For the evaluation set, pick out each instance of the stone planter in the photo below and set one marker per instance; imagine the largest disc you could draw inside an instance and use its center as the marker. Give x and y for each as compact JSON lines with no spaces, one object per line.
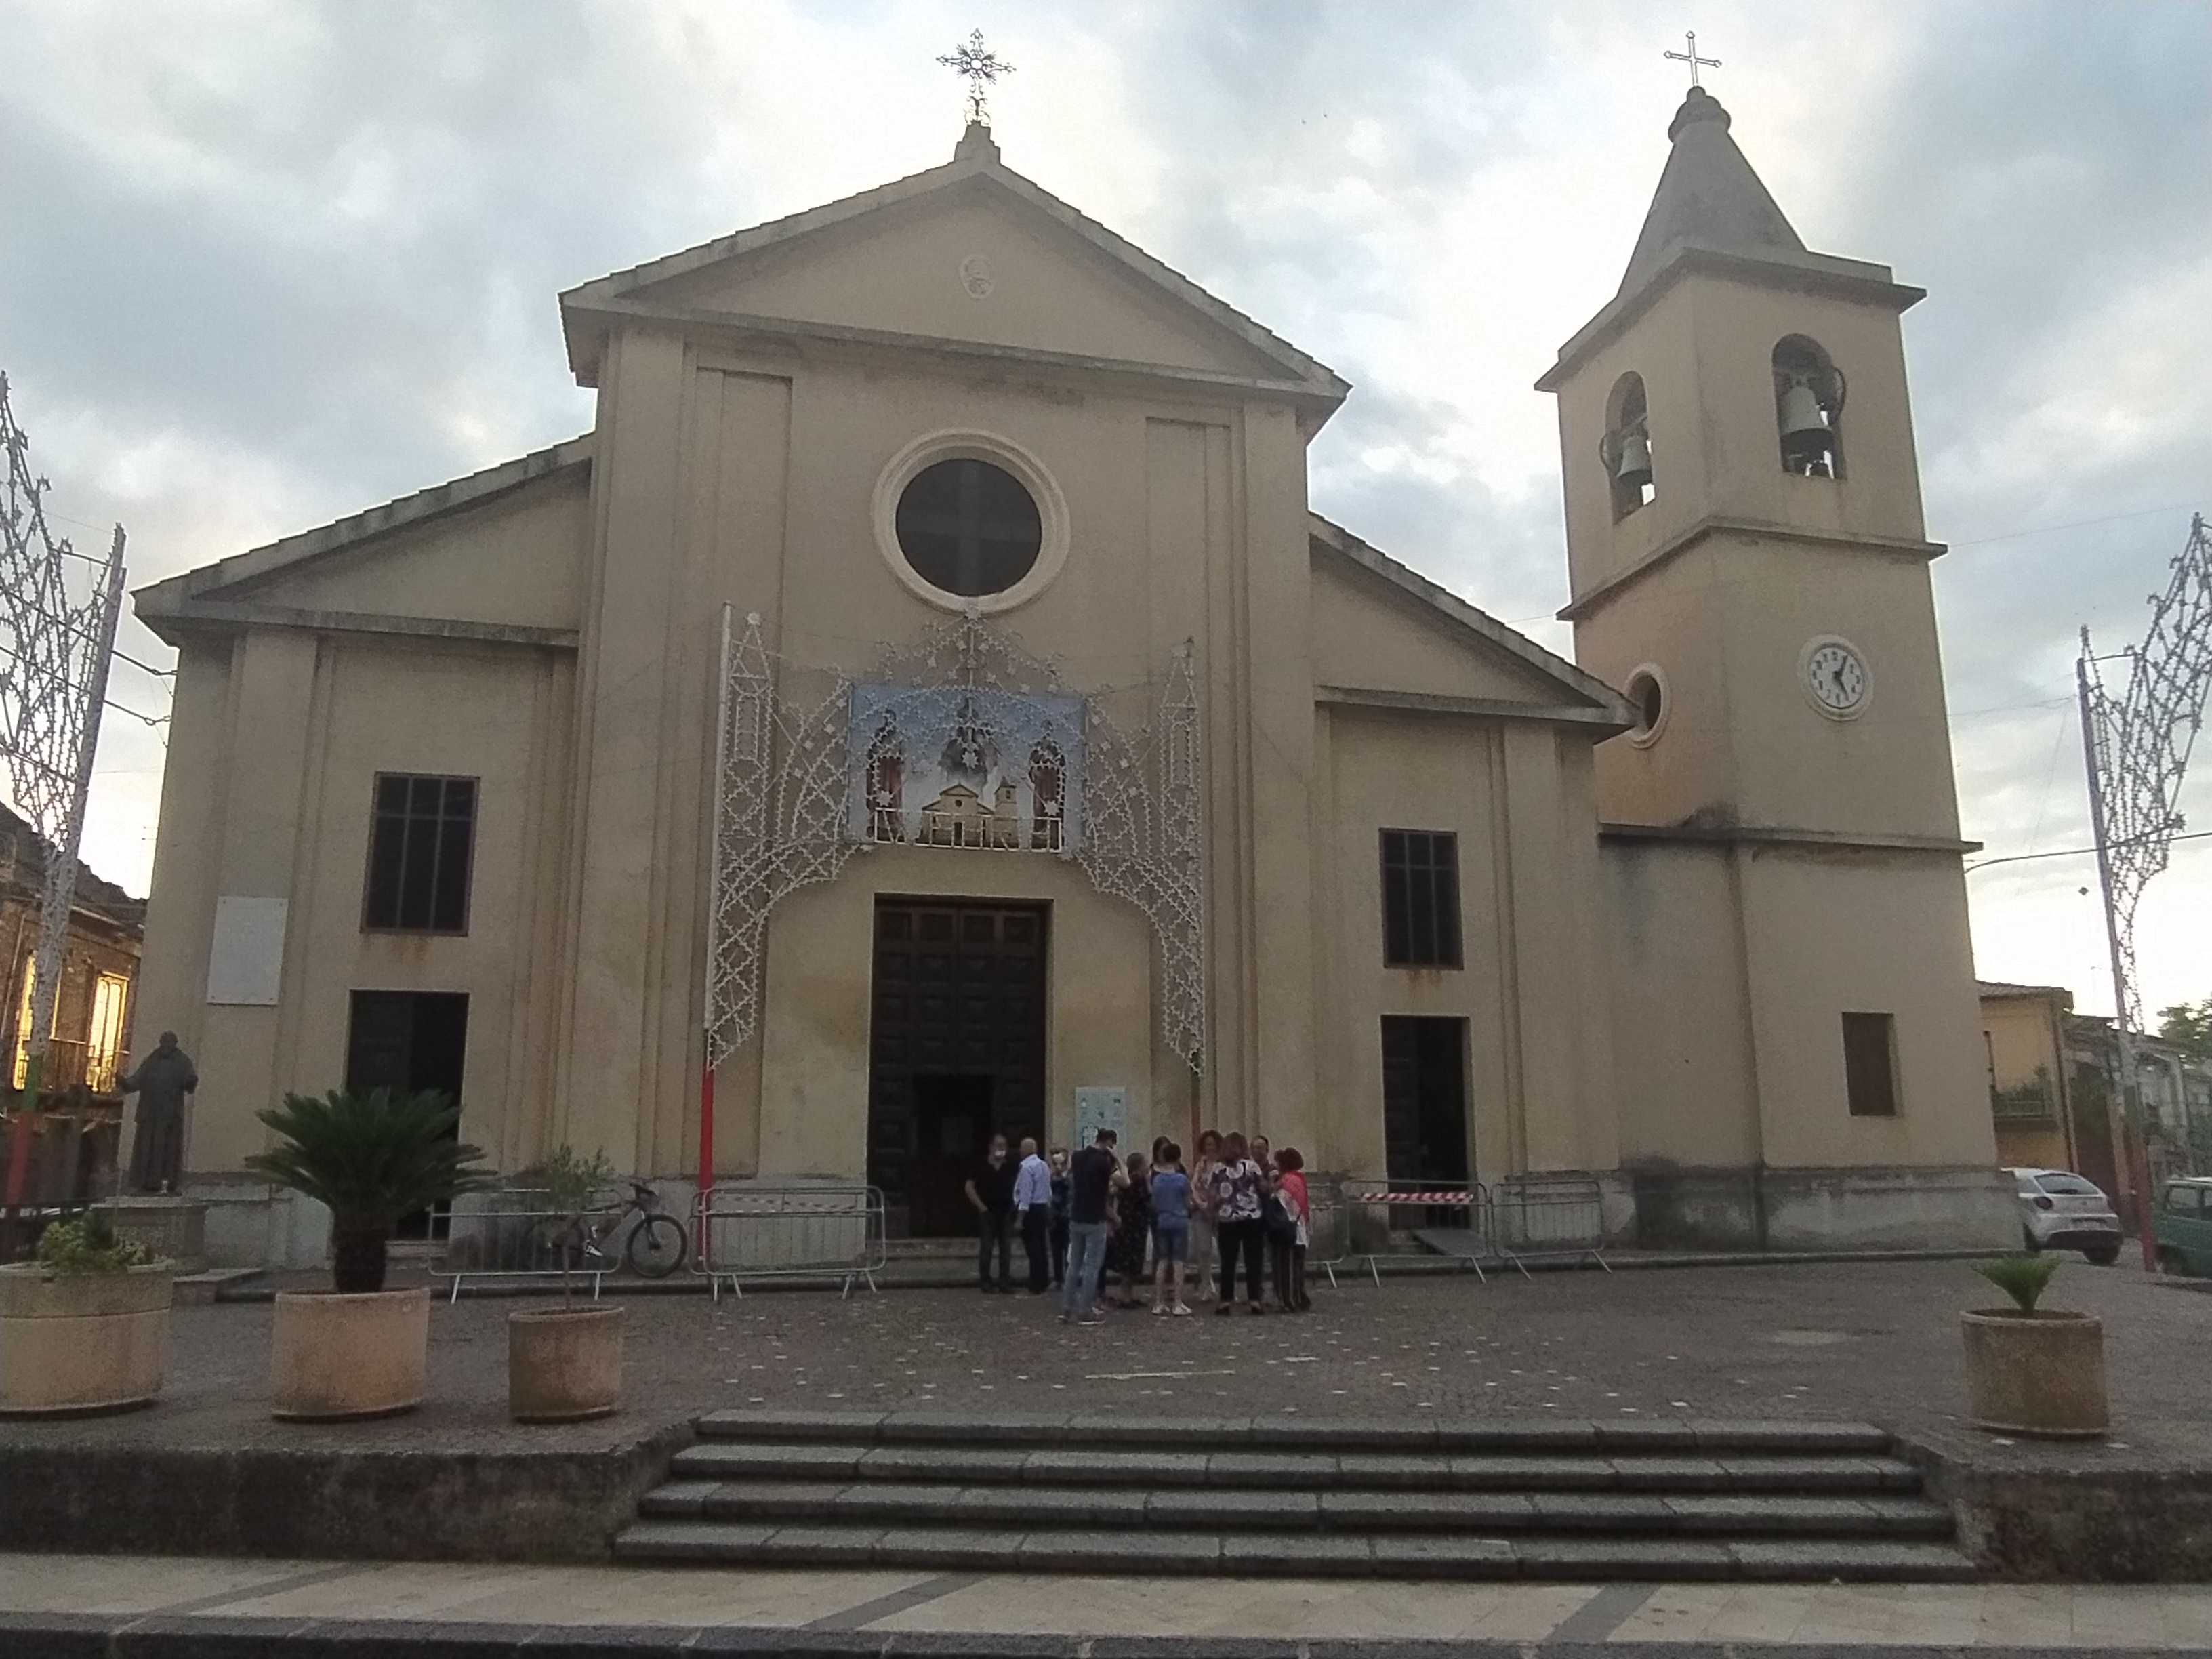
{"x":334,"y":1356}
{"x":82,"y":1342}
{"x":2040,"y":1374}
{"x":563,"y":1364}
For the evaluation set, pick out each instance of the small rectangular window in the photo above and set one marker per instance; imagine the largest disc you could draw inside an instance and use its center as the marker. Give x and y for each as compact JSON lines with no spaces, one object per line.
{"x":421,"y":846}
{"x":1420,"y":899}
{"x":1870,"y":1064}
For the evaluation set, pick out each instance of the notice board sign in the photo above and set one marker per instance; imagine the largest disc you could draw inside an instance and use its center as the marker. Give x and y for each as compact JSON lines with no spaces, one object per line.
{"x":1098,"y":1109}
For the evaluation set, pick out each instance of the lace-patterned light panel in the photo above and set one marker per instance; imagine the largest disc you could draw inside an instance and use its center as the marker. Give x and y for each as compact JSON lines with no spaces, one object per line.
{"x":963,"y":741}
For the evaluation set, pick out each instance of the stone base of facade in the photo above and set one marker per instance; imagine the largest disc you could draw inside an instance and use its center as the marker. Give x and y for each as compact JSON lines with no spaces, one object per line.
{"x":1822,"y":1209}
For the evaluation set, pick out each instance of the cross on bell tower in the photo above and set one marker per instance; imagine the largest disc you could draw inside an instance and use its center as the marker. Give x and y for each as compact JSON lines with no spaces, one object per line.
{"x":981,"y":67}
{"x":1690,"y":56}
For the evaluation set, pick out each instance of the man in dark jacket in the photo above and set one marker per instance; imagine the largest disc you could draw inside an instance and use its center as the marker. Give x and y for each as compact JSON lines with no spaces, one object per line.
{"x":991,"y":1190}
{"x":161,"y":1081}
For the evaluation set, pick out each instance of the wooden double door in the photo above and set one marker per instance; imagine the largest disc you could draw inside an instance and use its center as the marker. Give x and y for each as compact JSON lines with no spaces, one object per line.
{"x":956,"y":1050}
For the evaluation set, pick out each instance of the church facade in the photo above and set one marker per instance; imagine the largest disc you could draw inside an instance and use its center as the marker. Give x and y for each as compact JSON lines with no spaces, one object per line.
{"x":925,"y":704}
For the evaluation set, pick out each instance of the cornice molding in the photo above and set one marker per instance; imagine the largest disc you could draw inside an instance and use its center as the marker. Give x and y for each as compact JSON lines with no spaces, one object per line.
{"x":1746,"y":835}
{"x":1713,"y":525}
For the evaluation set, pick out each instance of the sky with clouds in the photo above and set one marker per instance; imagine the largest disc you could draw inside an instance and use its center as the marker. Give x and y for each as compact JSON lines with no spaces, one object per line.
{"x":264,"y":263}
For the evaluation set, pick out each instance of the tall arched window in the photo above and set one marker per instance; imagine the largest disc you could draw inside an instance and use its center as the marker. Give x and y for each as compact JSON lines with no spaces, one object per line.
{"x":1625,"y":449}
{"x":1809,"y":408}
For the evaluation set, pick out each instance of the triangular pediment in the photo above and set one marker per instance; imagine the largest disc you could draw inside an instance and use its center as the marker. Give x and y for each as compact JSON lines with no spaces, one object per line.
{"x":498,"y":555}
{"x":1385,"y":636}
{"x":969,"y":254}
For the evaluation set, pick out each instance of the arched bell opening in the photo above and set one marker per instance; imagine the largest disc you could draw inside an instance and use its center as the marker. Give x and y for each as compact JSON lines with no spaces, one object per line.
{"x":1625,"y":449}
{"x":1809,"y":408}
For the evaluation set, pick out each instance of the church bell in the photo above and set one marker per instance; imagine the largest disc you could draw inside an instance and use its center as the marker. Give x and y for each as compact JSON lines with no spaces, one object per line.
{"x":1634,"y":470}
{"x":1808,"y":433}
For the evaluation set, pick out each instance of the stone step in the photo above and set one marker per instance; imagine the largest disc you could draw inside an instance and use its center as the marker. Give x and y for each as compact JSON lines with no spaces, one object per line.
{"x":1287,"y":1432}
{"x":908,"y":1504}
{"x":946,"y":1463}
{"x":1245,"y":1554}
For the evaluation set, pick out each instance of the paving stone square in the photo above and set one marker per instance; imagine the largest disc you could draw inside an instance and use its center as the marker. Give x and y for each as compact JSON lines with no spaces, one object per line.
{"x":1650,"y":1349}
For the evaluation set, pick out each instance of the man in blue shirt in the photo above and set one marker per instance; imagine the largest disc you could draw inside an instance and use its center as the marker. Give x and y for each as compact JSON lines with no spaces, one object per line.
{"x":1033,"y":1208}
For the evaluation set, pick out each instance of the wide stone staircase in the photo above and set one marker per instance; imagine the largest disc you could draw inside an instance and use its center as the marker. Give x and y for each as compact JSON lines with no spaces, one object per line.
{"x":1455,"y":1499}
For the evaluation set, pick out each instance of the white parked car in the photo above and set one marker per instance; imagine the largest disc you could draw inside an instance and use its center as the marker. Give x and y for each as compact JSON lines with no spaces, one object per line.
{"x":2061,"y":1211}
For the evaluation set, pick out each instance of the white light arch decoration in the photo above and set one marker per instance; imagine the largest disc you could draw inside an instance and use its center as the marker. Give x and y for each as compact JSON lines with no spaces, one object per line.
{"x":786,"y":814}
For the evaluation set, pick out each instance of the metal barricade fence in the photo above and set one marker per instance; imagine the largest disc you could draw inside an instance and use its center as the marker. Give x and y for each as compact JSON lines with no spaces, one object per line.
{"x":745,"y":1232}
{"x":1538,"y":1217}
{"x":1467,"y":1201}
{"x":1328,"y":1229}
{"x":513,"y":1233}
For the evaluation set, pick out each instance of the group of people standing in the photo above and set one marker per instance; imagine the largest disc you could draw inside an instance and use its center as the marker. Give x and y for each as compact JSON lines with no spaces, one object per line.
{"x":1089,"y":1218}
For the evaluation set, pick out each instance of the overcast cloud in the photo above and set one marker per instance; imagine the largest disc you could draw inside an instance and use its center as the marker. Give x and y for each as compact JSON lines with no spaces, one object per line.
{"x":264,"y":263}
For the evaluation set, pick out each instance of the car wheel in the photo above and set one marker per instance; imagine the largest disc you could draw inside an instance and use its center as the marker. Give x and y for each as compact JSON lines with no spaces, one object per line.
{"x":2104,"y":1255}
{"x":2034,"y":1245}
{"x":2170,"y":1261}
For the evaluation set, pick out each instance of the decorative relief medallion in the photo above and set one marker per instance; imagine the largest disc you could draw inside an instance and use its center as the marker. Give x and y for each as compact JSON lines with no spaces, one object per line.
{"x":975,"y":276}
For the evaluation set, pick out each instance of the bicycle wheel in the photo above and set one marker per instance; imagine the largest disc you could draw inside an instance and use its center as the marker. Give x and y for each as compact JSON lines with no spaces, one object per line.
{"x":656,"y":1247}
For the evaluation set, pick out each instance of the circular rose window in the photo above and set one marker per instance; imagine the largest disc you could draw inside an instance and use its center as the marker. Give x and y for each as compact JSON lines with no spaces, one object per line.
{"x":968,"y":527}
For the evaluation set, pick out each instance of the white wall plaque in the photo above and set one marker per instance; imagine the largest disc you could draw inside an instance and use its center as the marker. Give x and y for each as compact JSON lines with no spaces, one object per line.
{"x":246,"y":963}
{"x":1101,"y":1108}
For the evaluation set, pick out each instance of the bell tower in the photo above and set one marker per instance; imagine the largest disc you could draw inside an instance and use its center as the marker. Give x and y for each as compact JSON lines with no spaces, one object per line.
{"x":1748,"y":563}
{"x":1746,"y":549}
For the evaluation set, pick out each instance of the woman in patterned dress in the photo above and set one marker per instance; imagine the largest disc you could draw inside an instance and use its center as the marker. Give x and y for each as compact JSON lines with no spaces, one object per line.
{"x":1133,"y":1231}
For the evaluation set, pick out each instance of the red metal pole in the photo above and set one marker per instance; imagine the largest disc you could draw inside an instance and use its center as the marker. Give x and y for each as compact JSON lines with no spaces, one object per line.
{"x":706,"y":1146}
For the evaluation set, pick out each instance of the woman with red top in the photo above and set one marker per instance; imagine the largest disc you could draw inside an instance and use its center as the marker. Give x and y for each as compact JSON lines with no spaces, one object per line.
{"x":1290,"y":1264}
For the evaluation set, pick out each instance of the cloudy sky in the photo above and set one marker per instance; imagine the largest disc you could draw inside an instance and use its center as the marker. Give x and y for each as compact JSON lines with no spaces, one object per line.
{"x":264,"y":263}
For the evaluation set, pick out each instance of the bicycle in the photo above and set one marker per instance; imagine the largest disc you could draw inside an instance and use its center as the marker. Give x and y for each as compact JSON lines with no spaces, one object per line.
{"x":656,"y":1246}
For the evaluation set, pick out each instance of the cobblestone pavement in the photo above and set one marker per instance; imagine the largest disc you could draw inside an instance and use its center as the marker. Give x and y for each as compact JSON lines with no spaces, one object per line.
{"x":631,"y":1605}
{"x":1874,"y":1342}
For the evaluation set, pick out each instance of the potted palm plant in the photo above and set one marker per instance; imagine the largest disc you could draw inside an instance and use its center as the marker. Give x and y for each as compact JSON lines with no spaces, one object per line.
{"x":566,"y":1363}
{"x":85,"y":1326}
{"x":2031,"y":1371}
{"x":358,"y":1350}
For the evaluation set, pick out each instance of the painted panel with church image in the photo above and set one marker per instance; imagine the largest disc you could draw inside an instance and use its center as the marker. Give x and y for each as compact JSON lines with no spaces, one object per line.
{"x":966,"y":766}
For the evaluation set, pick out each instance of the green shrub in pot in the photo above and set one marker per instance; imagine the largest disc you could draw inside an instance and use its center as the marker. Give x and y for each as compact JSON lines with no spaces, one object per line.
{"x":371,"y":1156}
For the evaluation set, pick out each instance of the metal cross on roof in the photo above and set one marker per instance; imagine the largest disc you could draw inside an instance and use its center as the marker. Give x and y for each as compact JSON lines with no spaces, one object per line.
{"x":1690,"y":56}
{"x":981,"y":67}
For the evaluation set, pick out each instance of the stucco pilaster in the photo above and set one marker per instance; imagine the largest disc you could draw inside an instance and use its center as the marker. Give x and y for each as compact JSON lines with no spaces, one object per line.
{"x":171,"y":989}
{"x":1551,"y":990}
{"x":620,"y":740}
{"x":272,"y":697}
{"x":1273,"y":641}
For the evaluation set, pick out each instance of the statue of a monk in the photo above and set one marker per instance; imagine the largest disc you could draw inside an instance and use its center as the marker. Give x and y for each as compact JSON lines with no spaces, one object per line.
{"x":161,"y":1081}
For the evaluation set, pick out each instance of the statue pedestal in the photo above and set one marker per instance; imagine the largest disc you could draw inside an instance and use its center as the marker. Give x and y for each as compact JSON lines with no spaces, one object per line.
{"x":173,"y":1228}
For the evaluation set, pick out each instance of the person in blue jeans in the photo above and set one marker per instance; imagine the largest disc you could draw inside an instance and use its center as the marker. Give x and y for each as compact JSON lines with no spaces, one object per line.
{"x":1171,"y":1228}
{"x":1093,"y":1177}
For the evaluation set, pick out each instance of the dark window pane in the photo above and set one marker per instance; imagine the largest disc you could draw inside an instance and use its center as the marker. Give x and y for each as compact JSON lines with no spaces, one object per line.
{"x":1420,"y":899}
{"x":1871,"y":1065}
{"x":968,"y":527}
{"x":421,"y":846}
{"x":452,"y":913}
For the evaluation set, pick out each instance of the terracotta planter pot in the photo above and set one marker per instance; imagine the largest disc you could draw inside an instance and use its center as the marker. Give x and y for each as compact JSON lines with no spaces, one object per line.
{"x":335,"y":1356}
{"x":2039,"y":1375}
{"x":82,"y":1342}
{"x":563,"y":1364}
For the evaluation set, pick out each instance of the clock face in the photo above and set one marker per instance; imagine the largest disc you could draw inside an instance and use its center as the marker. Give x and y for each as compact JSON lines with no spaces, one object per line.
{"x":1836,"y":676}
